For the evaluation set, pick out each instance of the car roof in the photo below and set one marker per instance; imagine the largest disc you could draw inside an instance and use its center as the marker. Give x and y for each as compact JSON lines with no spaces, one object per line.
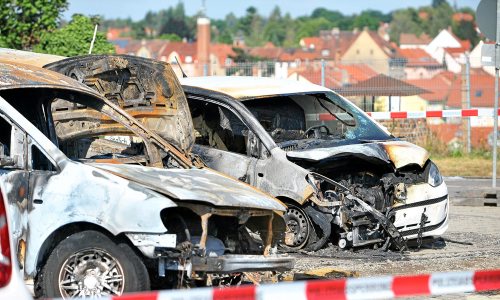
{"x":28,"y":58}
{"x":15,"y":75}
{"x":245,"y":88}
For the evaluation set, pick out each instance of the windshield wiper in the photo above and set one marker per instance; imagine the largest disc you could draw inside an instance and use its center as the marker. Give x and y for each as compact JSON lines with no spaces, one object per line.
{"x":330,"y":112}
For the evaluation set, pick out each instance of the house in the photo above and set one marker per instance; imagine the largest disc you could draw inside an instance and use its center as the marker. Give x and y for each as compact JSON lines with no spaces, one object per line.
{"x":115,"y":33}
{"x":337,"y":75}
{"x":369,"y":48}
{"x":311,"y":43}
{"x":197,"y":58}
{"x":482,"y":90}
{"x":475,"y":58}
{"x":439,"y":87}
{"x":412,"y":41}
{"x":419,"y":64}
{"x":449,"y":50}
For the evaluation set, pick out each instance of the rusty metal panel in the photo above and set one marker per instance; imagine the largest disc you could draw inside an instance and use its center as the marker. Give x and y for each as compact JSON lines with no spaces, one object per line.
{"x":148,"y":90}
{"x":28,"y":58}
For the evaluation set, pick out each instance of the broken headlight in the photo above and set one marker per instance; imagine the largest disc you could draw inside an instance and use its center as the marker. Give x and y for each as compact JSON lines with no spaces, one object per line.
{"x":434,"y":177}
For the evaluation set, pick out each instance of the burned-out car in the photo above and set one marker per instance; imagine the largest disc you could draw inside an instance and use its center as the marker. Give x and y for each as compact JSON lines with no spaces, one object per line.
{"x":116,"y":222}
{"x":342,"y":175}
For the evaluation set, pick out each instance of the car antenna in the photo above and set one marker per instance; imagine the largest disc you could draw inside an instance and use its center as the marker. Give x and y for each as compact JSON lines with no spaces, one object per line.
{"x":180,"y":67}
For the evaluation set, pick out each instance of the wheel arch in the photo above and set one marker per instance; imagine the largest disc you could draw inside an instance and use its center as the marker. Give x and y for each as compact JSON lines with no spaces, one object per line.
{"x":61,"y":233}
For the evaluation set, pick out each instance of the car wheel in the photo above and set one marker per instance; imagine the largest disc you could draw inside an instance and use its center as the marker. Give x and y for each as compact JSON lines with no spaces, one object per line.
{"x":89,"y":263}
{"x":298,"y":222}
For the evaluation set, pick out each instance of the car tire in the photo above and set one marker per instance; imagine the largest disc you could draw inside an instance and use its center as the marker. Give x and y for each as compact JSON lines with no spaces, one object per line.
{"x":299,"y":223}
{"x":93,"y":264}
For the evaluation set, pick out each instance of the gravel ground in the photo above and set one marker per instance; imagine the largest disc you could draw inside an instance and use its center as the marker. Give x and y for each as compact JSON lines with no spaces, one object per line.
{"x":472,"y":242}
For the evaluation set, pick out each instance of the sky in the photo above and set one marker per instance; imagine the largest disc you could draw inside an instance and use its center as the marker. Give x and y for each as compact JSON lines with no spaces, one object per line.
{"x":218,"y":9}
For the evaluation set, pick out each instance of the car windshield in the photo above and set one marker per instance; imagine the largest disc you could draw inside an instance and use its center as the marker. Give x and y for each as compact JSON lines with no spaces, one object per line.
{"x":323,"y":116}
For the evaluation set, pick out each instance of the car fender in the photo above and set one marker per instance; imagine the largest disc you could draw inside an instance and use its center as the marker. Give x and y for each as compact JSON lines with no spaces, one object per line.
{"x":81,"y":193}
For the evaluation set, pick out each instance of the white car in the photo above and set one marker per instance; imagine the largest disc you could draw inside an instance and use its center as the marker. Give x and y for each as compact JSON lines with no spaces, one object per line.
{"x":11,"y":283}
{"x":344,"y":177}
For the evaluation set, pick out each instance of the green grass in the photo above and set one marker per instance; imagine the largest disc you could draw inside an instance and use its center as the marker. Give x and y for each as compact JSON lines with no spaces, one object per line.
{"x":466,"y":165}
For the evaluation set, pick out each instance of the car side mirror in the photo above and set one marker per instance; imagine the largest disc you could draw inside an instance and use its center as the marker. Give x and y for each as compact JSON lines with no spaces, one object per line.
{"x":253,"y":145}
{"x":5,"y":160}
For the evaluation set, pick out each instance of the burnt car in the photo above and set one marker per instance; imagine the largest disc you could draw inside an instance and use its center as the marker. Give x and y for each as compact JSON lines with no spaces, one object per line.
{"x":343,"y":176}
{"x":121,"y":221}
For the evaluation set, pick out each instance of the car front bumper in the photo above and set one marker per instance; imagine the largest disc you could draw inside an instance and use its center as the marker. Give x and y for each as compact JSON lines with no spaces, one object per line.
{"x":426,"y":211}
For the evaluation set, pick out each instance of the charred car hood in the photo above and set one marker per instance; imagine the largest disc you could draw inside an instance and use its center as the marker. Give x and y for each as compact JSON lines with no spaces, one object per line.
{"x":399,"y":153}
{"x":200,"y":185}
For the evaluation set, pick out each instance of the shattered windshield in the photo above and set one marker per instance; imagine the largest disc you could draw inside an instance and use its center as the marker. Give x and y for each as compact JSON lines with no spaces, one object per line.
{"x":314,"y":117}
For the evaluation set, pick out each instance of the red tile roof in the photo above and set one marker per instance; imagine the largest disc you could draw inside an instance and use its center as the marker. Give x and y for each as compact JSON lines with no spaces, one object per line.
{"x":482,"y":90}
{"x":439,"y":86}
{"x":313,"y":42}
{"x":115,"y":33}
{"x":338,"y":75}
{"x":418,"y":57}
{"x":222,"y":51}
{"x":412,"y":39}
{"x":270,"y":53}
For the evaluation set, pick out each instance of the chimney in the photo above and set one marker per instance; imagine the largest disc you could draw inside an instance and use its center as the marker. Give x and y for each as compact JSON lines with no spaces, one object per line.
{"x":203,"y":46}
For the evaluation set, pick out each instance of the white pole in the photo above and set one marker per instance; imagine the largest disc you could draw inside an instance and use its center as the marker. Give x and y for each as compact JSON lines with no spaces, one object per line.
{"x":93,"y":39}
{"x":495,"y":113}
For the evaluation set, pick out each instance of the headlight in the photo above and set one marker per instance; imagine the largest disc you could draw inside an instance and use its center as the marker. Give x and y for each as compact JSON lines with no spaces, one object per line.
{"x":435,"y":177}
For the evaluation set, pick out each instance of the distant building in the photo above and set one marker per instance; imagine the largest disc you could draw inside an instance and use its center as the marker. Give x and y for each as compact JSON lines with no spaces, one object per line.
{"x":419,"y":64}
{"x":197,"y":58}
{"x":412,"y":41}
{"x":449,"y":50}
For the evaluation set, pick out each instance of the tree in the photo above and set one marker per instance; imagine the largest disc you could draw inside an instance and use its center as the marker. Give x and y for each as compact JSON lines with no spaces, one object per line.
{"x":440,"y":18}
{"x":172,"y":37}
{"x":312,"y":27}
{"x":370,"y":19}
{"x":274,"y":31}
{"x":22,"y":22}
{"x":405,"y":21}
{"x":74,"y":39}
{"x":437,"y":3}
{"x":466,"y":31}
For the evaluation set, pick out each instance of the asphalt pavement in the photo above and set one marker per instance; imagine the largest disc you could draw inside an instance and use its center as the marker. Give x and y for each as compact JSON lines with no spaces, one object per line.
{"x":473,"y":191}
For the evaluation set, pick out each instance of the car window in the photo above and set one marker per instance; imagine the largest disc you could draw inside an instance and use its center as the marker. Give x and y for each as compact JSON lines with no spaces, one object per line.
{"x":217,"y":127}
{"x":12,"y":150}
{"x":324,"y":117}
{"x":39,"y":160}
{"x":86,"y":133}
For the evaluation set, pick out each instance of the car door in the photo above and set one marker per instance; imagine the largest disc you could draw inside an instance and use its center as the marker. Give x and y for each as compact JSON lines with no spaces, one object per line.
{"x":14,"y":176}
{"x":222,"y":139}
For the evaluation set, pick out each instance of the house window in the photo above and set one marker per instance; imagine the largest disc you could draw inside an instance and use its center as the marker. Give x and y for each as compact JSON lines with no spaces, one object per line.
{"x":325,"y":52}
{"x":371,"y":51}
{"x":357,"y":51}
{"x":479,"y":93}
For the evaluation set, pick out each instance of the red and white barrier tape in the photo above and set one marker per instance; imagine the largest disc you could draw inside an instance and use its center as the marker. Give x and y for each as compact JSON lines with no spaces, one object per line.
{"x":387,"y":287}
{"x":450,"y":113}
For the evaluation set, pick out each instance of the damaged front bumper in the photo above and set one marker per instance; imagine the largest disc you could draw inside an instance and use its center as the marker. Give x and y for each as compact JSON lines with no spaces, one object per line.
{"x":425,"y":213}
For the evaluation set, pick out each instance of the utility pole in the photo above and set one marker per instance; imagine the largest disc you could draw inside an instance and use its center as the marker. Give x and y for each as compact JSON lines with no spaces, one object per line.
{"x":495,"y":113}
{"x":467,"y":101}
